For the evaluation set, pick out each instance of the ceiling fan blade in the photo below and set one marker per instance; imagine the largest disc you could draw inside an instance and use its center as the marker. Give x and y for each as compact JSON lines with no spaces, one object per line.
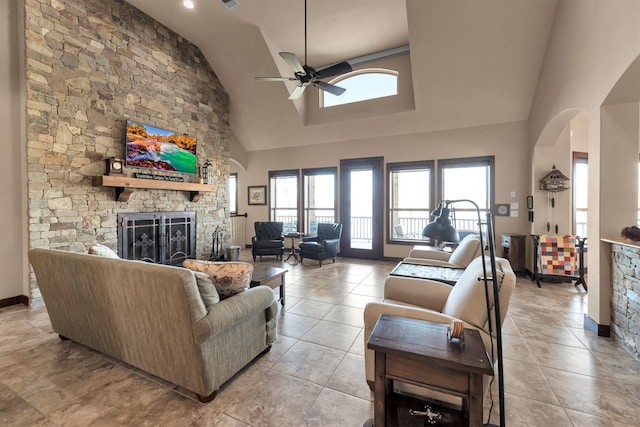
{"x":334,"y":70}
{"x":332,"y":89}
{"x":276,"y":79}
{"x":297,"y":92}
{"x":293,"y":62}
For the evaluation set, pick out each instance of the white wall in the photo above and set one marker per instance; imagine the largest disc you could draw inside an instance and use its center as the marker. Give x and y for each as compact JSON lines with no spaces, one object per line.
{"x":507,"y":142}
{"x":547,"y":156}
{"x":592,"y":44}
{"x":12,"y":189}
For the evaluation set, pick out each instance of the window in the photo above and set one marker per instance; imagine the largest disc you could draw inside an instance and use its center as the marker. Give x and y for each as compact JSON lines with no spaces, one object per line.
{"x":410,"y":198}
{"x":233,"y":193}
{"x":470,"y":178}
{"x":580,"y":193}
{"x":283,"y":199}
{"x":319,"y":197}
{"x":366,"y":84}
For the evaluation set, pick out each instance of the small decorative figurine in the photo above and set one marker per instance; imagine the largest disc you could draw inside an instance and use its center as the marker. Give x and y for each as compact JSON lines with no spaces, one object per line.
{"x":631,"y":232}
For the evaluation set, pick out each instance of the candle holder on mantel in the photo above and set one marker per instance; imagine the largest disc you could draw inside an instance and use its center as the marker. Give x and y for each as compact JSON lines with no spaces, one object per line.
{"x":200,"y":178}
{"x":207,"y":172}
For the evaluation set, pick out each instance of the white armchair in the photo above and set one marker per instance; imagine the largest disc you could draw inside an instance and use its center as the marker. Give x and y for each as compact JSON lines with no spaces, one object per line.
{"x":467,"y":251}
{"x":438,"y":302}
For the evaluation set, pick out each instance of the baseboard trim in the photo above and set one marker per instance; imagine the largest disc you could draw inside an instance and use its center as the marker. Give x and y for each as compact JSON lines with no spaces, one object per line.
{"x":593,"y":326}
{"x":20,"y":299}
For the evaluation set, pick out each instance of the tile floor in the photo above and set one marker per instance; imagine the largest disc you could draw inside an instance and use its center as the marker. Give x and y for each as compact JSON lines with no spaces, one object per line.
{"x":556,"y":373}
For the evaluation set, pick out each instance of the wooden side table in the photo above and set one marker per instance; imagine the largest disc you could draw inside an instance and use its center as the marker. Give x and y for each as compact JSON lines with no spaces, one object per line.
{"x":293,"y":252}
{"x":420,"y":353}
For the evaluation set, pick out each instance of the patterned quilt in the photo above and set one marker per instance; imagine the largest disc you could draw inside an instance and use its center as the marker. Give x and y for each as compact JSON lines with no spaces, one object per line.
{"x":558,"y":255}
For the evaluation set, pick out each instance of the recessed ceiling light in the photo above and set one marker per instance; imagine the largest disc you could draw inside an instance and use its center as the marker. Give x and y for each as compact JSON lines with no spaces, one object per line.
{"x":188,"y":4}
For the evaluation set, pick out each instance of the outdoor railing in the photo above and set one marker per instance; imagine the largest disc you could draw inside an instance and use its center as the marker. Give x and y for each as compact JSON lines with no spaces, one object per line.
{"x":361,"y":226}
{"x":290,"y":223}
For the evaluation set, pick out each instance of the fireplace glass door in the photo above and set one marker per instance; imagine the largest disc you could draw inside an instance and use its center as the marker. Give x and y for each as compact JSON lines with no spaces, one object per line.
{"x":158,"y":237}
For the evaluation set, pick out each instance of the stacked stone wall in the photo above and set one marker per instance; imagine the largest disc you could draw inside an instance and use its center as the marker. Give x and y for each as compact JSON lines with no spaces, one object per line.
{"x":90,"y":65}
{"x":625,"y":298}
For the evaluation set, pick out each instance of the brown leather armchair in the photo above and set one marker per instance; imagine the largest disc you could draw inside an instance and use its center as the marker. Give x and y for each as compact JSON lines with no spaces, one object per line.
{"x":268,"y":239}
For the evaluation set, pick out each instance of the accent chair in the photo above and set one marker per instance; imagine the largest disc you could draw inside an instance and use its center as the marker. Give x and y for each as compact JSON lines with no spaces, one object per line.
{"x":268,"y":239}
{"x":322,"y":246}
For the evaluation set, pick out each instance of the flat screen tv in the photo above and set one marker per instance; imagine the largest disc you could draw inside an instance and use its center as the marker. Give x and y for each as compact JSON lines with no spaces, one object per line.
{"x":154,"y":148}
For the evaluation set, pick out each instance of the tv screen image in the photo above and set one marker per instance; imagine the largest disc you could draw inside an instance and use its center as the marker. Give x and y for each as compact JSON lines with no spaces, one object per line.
{"x":154,"y":148}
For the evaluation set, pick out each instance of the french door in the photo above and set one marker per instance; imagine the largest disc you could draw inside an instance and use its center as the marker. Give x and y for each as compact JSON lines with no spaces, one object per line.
{"x":361,"y":207}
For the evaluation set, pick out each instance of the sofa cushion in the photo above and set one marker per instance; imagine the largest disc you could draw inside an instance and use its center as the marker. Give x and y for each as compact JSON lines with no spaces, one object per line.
{"x":102,"y":250}
{"x":207,"y":289}
{"x":229,"y":278}
{"x":277,"y":244}
{"x":313,"y":247}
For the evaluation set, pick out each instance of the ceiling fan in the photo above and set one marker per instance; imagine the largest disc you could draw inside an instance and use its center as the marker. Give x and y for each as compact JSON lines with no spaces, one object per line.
{"x":307,"y":75}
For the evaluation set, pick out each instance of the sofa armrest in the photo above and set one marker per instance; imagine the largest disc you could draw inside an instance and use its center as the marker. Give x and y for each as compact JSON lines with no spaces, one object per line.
{"x":425,"y":252}
{"x":433,"y":262}
{"x":373,"y":310}
{"x":232,"y":311}
{"x":331,"y":242}
{"x":419,"y":292}
{"x":310,"y":239}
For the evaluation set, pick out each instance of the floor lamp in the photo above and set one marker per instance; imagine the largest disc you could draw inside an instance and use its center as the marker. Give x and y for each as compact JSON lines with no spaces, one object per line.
{"x":442,"y":231}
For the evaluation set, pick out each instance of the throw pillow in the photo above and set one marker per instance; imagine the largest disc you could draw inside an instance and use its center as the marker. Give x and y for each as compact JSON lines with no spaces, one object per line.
{"x":207,"y":290}
{"x":229,"y":278}
{"x":102,"y":250}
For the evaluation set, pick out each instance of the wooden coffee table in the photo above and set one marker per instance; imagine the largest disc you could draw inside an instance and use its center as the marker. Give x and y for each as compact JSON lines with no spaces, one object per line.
{"x":269,"y":276}
{"x":420,"y":353}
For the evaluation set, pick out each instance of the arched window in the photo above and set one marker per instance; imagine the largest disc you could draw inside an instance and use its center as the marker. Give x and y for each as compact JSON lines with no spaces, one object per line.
{"x":361,"y":86}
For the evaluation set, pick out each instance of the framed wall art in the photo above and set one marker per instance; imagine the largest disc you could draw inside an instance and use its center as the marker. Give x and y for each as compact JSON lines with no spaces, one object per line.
{"x":257,"y":195}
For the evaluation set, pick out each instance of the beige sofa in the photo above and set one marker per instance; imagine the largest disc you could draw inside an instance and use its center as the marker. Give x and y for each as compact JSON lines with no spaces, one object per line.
{"x":154,"y":317}
{"x":441,"y":303}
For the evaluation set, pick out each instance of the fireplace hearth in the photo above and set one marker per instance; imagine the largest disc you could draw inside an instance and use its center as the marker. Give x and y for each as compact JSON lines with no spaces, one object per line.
{"x":157,"y":237}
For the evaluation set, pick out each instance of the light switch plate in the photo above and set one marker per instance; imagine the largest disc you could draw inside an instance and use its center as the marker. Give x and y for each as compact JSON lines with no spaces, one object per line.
{"x":515,"y":205}
{"x":515,"y":214}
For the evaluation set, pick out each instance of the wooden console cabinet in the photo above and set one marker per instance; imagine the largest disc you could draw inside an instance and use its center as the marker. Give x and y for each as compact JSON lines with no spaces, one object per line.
{"x":513,"y":250}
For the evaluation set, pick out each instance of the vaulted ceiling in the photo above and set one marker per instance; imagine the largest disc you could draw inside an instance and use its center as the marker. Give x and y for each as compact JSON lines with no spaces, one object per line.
{"x":473,"y":62}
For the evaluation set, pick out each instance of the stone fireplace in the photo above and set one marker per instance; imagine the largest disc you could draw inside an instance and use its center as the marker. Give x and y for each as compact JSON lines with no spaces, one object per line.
{"x":159,"y":237}
{"x":90,"y":65}
{"x":625,"y":299}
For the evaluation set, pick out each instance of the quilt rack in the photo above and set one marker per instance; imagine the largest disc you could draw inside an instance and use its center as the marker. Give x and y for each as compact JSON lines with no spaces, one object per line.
{"x":555,"y":256}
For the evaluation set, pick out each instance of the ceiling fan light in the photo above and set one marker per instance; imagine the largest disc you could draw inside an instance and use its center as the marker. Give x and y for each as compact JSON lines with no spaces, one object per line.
{"x":188,"y":4}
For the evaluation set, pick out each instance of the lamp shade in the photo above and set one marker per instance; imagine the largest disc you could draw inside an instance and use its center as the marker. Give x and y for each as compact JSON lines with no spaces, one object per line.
{"x":441,"y":231}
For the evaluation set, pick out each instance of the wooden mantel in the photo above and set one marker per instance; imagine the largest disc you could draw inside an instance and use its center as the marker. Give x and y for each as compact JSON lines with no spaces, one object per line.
{"x":125,"y":186}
